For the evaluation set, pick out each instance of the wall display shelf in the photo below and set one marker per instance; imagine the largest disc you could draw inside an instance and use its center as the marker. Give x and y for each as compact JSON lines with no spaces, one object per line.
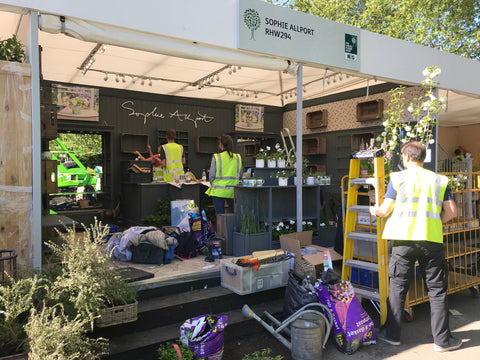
{"x":317,"y":119}
{"x":130,"y":143}
{"x":248,"y":144}
{"x":370,"y":110}
{"x":278,"y":203}
{"x":357,"y":139}
{"x":314,"y":146}
{"x":206,"y":144}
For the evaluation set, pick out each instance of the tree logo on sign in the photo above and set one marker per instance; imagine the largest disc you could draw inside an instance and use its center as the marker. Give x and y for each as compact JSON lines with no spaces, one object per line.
{"x":252,"y":20}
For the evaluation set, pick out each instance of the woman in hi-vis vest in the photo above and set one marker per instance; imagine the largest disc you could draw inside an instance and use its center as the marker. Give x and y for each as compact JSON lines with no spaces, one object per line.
{"x":225,"y":173}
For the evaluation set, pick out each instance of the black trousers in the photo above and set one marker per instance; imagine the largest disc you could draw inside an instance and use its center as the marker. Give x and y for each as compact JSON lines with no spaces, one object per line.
{"x":433,"y":267}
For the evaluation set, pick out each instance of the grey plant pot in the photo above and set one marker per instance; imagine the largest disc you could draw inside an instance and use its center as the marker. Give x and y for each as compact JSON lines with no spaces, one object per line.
{"x":245,"y":244}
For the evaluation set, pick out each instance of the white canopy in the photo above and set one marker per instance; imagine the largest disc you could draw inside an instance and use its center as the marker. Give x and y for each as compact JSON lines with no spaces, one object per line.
{"x":203,"y":59}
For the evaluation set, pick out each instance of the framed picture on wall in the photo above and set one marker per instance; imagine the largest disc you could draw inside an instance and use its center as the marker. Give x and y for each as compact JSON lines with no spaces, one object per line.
{"x":249,"y":118}
{"x":76,"y":102}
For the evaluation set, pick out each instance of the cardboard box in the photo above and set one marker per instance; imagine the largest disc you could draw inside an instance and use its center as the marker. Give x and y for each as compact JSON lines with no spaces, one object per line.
{"x":307,"y":264}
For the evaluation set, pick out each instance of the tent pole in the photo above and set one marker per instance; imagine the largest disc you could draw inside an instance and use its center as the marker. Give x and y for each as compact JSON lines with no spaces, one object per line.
{"x":299,"y":162}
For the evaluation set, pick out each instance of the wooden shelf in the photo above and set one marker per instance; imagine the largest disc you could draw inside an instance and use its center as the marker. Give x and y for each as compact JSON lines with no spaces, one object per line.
{"x":370,"y":110}
{"x":357,"y":139}
{"x":206,"y":144}
{"x":314,"y":146}
{"x":317,"y":119}
{"x":130,"y":143}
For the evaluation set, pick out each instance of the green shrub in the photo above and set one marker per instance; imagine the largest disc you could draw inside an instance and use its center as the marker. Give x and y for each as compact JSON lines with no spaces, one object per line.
{"x":263,"y":354}
{"x":168,"y":352}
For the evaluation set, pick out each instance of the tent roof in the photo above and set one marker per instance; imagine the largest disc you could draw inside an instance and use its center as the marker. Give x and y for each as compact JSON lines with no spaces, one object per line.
{"x":126,"y":68}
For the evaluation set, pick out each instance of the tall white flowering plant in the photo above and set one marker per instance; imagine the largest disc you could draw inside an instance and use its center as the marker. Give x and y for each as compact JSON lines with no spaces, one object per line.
{"x":423,"y":109}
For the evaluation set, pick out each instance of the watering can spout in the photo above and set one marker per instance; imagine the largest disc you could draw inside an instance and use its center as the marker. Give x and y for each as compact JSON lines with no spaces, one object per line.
{"x":247,"y":312}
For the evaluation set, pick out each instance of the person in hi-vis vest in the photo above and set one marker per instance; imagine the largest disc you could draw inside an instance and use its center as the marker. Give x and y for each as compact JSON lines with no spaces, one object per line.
{"x":225,"y":173}
{"x":172,"y":157}
{"x":417,"y":202}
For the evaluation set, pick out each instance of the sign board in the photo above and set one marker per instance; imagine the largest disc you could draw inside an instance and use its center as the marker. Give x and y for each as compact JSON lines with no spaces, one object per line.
{"x":278,"y":31}
{"x":76,"y":102}
{"x":249,"y":118}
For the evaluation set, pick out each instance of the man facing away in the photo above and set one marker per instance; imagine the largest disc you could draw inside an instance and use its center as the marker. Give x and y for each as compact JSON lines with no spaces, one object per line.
{"x":172,"y":157}
{"x":418,"y":202}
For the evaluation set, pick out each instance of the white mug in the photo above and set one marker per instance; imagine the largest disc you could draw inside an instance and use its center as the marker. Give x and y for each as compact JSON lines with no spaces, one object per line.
{"x":259,"y":182}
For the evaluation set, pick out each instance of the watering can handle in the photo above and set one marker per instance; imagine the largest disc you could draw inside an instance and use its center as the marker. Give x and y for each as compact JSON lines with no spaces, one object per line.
{"x":230,"y":272}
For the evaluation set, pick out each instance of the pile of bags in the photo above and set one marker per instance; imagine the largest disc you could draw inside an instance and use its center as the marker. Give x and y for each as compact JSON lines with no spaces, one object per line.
{"x":352,"y":327}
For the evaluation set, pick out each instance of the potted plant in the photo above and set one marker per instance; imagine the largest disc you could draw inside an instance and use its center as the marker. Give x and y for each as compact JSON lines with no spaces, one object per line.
{"x":279,"y":156}
{"x":282,"y":176}
{"x":271,"y":160}
{"x":261,"y":157}
{"x":16,"y":300}
{"x":12,"y":49}
{"x":419,"y":126}
{"x":89,"y":284}
{"x":252,"y":235}
{"x":49,"y":315}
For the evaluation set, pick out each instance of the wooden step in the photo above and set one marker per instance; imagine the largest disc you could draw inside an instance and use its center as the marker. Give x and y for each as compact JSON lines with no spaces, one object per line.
{"x":160,"y":317}
{"x":124,"y":346}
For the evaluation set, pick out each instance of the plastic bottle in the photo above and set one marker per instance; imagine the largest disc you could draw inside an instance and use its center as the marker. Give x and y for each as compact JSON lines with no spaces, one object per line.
{"x":204,"y":175}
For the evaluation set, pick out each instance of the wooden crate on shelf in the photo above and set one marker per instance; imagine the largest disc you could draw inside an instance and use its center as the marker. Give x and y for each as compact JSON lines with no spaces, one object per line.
{"x":206,"y":144}
{"x":130,"y":143}
{"x":314,"y":146}
{"x":317,"y":119}
{"x":370,"y":110}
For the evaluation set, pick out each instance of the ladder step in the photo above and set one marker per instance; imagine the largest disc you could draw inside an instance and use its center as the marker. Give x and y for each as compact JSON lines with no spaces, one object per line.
{"x":367,"y":154}
{"x":362,"y":235}
{"x":364,"y":181}
{"x":366,"y":292}
{"x":360,"y":208}
{"x":365,"y":265}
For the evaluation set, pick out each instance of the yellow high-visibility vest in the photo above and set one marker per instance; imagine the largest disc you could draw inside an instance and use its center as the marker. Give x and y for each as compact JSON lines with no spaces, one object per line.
{"x":227,"y":175}
{"x":173,"y":156}
{"x":416,"y":215}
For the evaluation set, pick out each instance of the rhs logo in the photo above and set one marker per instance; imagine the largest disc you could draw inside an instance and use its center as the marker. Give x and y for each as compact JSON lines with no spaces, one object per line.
{"x":252,"y":20}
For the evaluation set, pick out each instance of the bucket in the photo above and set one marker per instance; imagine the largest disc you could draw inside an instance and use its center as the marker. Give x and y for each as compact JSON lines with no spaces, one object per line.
{"x":307,"y":335}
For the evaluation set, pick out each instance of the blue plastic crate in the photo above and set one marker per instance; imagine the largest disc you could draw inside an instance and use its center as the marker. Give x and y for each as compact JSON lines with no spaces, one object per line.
{"x":169,"y":255}
{"x":112,"y":230}
{"x":364,"y":277}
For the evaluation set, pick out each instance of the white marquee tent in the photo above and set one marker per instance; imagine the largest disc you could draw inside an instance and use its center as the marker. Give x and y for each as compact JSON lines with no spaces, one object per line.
{"x":207,"y":49}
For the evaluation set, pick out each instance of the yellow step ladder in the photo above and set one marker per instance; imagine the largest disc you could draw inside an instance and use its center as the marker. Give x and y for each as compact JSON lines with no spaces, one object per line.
{"x":355,"y":235}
